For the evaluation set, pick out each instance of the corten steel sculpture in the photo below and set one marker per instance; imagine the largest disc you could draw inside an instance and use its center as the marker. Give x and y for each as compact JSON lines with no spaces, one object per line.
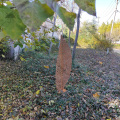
{"x":63,"y":65}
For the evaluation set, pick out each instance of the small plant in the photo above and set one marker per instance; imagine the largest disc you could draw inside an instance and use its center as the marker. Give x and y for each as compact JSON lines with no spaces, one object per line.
{"x":102,"y":43}
{"x":4,"y":47}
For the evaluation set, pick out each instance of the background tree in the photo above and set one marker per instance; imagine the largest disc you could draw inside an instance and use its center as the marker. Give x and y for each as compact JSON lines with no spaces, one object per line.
{"x":77,"y":32}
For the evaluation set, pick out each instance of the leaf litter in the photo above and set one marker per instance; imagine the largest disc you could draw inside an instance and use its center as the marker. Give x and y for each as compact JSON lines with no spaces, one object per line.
{"x":93,"y":90}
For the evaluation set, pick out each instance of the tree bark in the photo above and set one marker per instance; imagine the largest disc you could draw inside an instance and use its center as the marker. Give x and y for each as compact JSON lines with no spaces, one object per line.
{"x":69,"y":39}
{"x":76,"y":38}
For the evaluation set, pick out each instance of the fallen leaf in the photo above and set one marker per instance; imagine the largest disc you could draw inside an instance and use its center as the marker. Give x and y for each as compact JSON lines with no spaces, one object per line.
{"x":22,"y":59}
{"x":100,"y":62}
{"x":42,"y":111}
{"x":3,"y":56}
{"x":38,"y":91}
{"x":64,"y":90}
{"x":96,"y":95}
{"x":35,"y":108}
{"x":46,"y":66}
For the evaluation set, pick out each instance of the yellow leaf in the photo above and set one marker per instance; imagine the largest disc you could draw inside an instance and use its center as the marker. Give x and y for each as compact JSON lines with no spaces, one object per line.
{"x":42,"y":111}
{"x":38,"y":91}
{"x":46,"y":66}
{"x":3,"y":56}
{"x":22,"y":59}
{"x":100,"y":62}
{"x":25,"y":49}
{"x":96,"y":95}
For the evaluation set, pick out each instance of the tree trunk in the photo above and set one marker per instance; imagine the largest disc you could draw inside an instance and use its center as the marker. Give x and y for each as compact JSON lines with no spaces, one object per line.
{"x":55,"y":16}
{"x":76,"y":38}
{"x":69,"y":39}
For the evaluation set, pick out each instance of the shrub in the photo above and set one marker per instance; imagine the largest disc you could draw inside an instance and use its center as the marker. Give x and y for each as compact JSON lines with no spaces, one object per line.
{"x":55,"y":46}
{"x":101,"y":43}
{"x":95,"y":42}
{"x":4,"y":47}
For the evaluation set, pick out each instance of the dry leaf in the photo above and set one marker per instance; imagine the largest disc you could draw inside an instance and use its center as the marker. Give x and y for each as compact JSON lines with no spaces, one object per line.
{"x":114,"y":103}
{"x":96,"y":95}
{"x":46,"y":66}
{"x":35,"y":108}
{"x":63,"y":65}
{"x":37,"y":92}
{"x":100,"y":63}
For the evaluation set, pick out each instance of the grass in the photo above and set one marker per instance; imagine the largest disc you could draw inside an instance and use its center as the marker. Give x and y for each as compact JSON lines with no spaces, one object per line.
{"x":20,"y":80}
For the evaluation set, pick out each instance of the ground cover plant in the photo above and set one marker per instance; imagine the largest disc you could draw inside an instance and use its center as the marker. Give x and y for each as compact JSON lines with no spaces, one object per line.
{"x":28,"y":90}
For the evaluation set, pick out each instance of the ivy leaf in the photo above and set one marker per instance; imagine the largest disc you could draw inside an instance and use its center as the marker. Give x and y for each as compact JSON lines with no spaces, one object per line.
{"x":87,"y":5}
{"x":11,"y":22}
{"x":33,"y":13}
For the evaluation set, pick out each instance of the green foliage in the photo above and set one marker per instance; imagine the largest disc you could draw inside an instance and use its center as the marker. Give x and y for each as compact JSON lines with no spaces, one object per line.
{"x":67,"y":38}
{"x":35,"y":62}
{"x":55,"y":45}
{"x":87,"y":5}
{"x":95,"y":43}
{"x":42,"y":43}
{"x":10,"y":22}
{"x":101,"y":44}
{"x":2,"y":35}
{"x":4,"y":46}
{"x":22,"y":79}
{"x":67,"y":17}
{"x":89,"y":38}
{"x":105,"y":30}
{"x":33,"y":13}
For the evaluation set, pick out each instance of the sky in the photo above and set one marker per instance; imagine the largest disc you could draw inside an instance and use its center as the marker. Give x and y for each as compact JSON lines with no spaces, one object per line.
{"x":105,"y":11}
